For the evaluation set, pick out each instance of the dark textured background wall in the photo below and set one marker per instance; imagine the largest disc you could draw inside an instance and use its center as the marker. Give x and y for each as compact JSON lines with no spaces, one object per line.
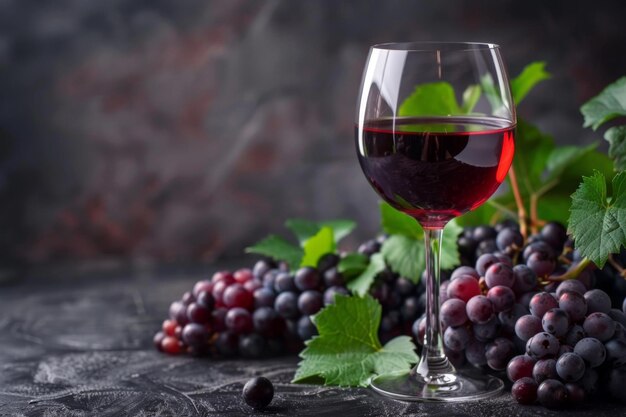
{"x":185,"y":130}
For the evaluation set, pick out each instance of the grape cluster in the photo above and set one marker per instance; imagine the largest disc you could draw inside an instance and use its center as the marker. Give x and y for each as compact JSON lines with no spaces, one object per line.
{"x":555,"y":341}
{"x":251,"y":313}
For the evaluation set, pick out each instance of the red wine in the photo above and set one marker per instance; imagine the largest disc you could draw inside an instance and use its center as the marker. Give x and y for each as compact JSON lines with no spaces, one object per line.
{"x":435,"y":169}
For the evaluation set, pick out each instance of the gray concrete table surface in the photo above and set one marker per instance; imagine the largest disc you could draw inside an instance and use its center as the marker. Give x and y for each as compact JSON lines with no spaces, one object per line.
{"x":80,"y":344}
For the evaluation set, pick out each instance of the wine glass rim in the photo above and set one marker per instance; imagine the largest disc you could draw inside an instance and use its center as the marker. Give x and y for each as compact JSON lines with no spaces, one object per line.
{"x":430,"y":46}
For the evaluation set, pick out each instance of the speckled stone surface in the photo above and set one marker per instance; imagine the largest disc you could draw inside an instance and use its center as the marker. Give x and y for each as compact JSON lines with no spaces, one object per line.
{"x":71,"y":346}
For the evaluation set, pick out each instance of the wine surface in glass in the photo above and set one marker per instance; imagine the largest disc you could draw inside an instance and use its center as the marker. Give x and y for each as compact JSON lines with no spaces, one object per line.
{"x":435,"y":168}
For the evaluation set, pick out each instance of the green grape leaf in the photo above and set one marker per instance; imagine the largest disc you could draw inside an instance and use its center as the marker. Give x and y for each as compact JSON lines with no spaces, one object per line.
{"x":471,"y":95}
{"x":598,"y":224}
{"x":304,"y":229}
{"x":279,"y":249}
{"x":607,"y":105}
{"x":450,"y":256}
{"x":405,"y":256}
{"x":396,"y":222}
{"x":531,"y":75}
{"x":430,"y":99}
{"x":361,"y":284}
{"x":347,"y":351}
{"x":532,"y":150}
{"x":563,"y":157}
{"x":616,"y":136}
{"x":321,"y":243}
{"x":352,"y":265}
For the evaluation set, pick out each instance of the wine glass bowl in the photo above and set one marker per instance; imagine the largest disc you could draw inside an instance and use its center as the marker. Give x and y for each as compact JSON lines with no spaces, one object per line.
{"x":434,"y":135}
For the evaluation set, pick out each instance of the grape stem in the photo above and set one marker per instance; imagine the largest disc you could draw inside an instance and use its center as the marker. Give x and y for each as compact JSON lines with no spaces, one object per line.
{"x":572,"y":273}
{"x":521,"y":210}
{"x":620,"y":269}
{"x":534,"y":200}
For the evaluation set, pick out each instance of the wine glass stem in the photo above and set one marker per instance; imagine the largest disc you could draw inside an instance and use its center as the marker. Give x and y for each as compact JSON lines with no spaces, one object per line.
{"x":434,"y":366}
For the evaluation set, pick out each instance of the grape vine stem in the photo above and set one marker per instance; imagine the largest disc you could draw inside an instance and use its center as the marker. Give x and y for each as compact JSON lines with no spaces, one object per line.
{"x":521,"y":210}
{"x":571,"y":273}
{"x":620,"y":269}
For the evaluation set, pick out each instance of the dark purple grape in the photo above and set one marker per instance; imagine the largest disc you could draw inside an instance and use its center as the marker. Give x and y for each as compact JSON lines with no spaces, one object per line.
{"x":524,"y":391}
{"x":389,"y":322}
{"x":327,"y":261}
{"x":501,"y":297}
{"x":227,"y":344}
{"x":307,"y":278}
{"x":525,"y":279}
{"x":464,"y":288}
{"x":157,"y":340}
{"x":589,"y":381}
{"x":552,"y":394}
{"x":286,"y":305}
{"x":485,"y":332}
{"x":332,"y":278}
{"x":251,"y":345}
{"x":475,"y":353}
{"x":555,"y":235}
{"x":410,"y":309}
{"x":270,"y":278}
{"x":464,"y":270}
{"x":205,"y":299}
{"x":258,"y":392}
{"x":597,"y":301}
{"x":178,"y":312}
{"x":261,"y":267}
{"x":591,"y":350}
{"x":543,"y":345}
{"x":556,"y":322}
{"x":541,"y":303}
{"x":456,"y":338}
{"x":520,"y":366}
{"x":543,"y":265}
{"x":575,"y":393}
{"x":527,"y":326}
{"x":508,"y":319}
{"x":574,"y":335}
{"x":599,"y":326}
{"x":615,"y":352}
{"x":236,"y":295}
{"x":467,"y":246}
{"x":306,"y":328}
{"x":484,"y":262}
{"x":571,"y":285}
{"x":452,"y":312}
{"x":310,"y":302}
{"x":525,"y":298}
{"x":479,"y":309}
{"x":499,"y":352}
{"x":481,"y":233}
{"x":267,"y":322}
{"x":573,"y":304}
{"x":284,"y":282}
{"x":540,"y":247}
{"x":195,"y":334}
{"x":204,"y":285}
{"x":263,"y":297}
{"x":329,"y":294}
{"x":239,"y":320}
{"x":499,"y":274}
{"x":503,"y":258}
{"x":618,"y":316}
{"x":369,"y":248}
{"x":188,"y":298}
{"x":404,"y":287}
{"x":570,"y":367}
{"x":544,"y":369}
{"x":418,"y":330}
{"x":197,"y":313}
{"x":509,"y":238}
{"x":617,"y":383}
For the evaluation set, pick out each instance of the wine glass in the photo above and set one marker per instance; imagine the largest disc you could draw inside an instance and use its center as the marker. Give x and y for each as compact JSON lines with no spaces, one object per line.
{"x":435,"y":138}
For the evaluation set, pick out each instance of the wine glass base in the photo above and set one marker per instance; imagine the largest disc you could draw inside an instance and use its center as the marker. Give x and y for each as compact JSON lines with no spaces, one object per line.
{"x":467,"y":386}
